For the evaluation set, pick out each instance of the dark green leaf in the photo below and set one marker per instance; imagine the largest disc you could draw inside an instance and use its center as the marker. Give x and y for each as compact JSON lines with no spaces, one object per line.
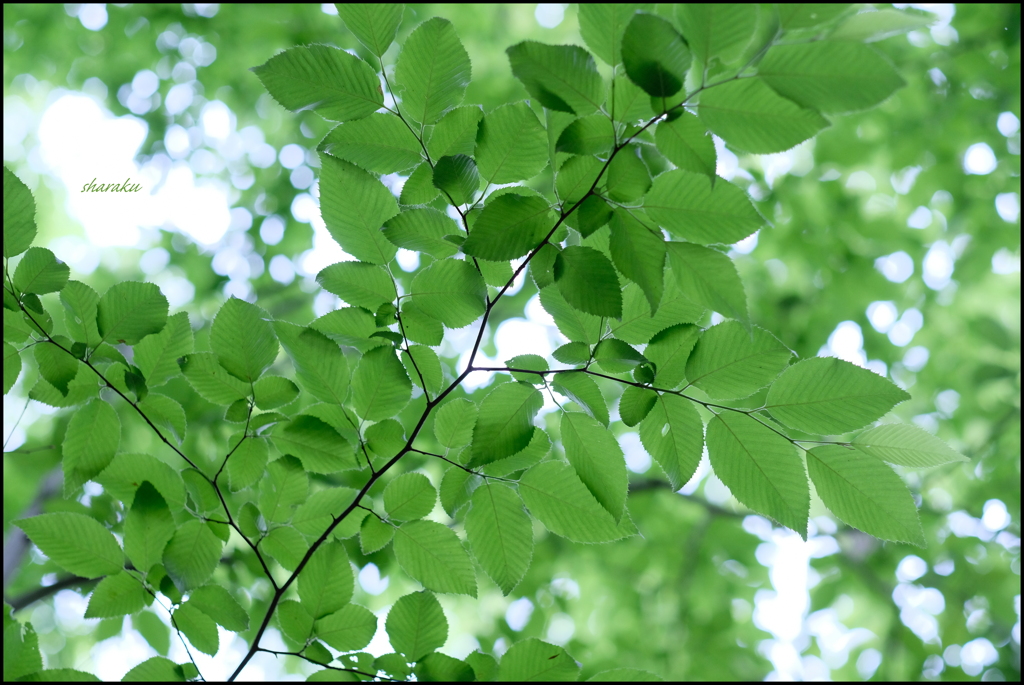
{"x":635,"y":404}
{"x":433,"y":71}
{"x":561,"y":77}
{"x":542,"y":266}
{"x":317,"y":445}
{"x":591,"y":135}
{"x":439,"y":667}
{"x":655,"y":56}
{"x":591,"y":215}
{"x":576,"y":177}
{"x":587,"y":281}
{"x":457,"y":177}
{"x":504,"y":424}
{"x":616,"y":356}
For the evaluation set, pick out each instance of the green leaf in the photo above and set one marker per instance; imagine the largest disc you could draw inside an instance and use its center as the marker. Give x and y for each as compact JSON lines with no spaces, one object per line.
{"x":439,"y":667}
{"x":511,"y":144}
{"x":455,"y":133}
{"x":630,"y":104}
{"x":148,"y":527}
{"x":865,"y":493}
{"x":532,"y":660}
{"x":419,"y":327}
{"x":686,"y":204}
{"x":380,"y":143}
{"x":339,"y":86}
{"x":154,"y":630}
{"x":321,"y":368}
{"x":591,"y":135}
{"x":22,"y":659}
{"x":531,"y":362}
{"x":761,"y":469}
{"x":453,"y":425}
{"x":116,"y":595}
{"x":247,"y":463}
{"x":871,"y":26}
{"x":380,"y":386}
{"x":271,"y":392}
{"x":537,"y":450}
{"x":830,"y":77}
{"x":432,"y":554}
{"x":199,"y":628}
{"x":55,"y":364}
{"x":457,"y":177}
{"x":484,"y":666}
{"x":80,"y":303}
{"x":542,"y":266}
{"x":635,"y":404}
{"x":598,"y":460}
{"x":829,"y":396}
{"x":655,"y":55}
{"x":126,"y":471}
{"x":19,"y":215}
{"x":12,"y":367}
{"x":90,"y":443}
{"x":673,"y":434}
{"x":325,"y":583}
{"x":374,"y":25}
{"x":686,"y":142}
{"x":728,"y":362}
{"x":576,"y":177}
{"x":509,"y":227}
{"x":638,"y":252}
{"x":155,"y":670}
{"x":561,"y":77}
{"x":427,"y":368}
{"x":616,"y":356}
{"x":602,"y":26}
{"x":354,"y":205}
{"x":625,"y":675}
{"x":574,"y":324}
{"x":708,"y":278}
{"x":796,"y":15}
{"x":287,"y":545}
{"x":374,"y":534}
{"x":751,"y":117}
{"x":423,"y":230}
{"x":582,"y":390}
{"x":419,"y":187}
{"x":628,"y":179}
{"x":409,"y":497}
{"x":348,"y":629}
{"x":416,"y":625}
{"x":638,"y":325}
{"x":296,"y":623}
{"x":556,"y":496}
{"x":669,"y":350}
{"x":77,"y":543}
{"x":157,"y":354}
{"x":906,"y":445}
{"x":500,"y":534}
{"x":587,"y":281}
{"x":39,"y":271}
{"x":243,"y":339}
{"x":192,"y":555}
{"x":504,"y":424}
{"x":318,"y":511}
{"x":717,"y":31}
{"x":211,"y":380}
{"x":317,"y":445}
{"x":572,"y":353}
{"x":591,"y":215}
{"x":451,"y":291}
{"x":286,"y":487}
{"x":218,"y":604}
{"x":433,"y":71}
{"x":130,"y":311}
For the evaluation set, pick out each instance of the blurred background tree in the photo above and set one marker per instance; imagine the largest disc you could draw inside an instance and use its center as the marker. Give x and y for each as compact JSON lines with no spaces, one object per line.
{"x":895,"y":245}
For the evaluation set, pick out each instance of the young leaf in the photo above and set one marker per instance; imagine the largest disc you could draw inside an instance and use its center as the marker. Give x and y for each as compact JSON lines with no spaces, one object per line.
{"x":451,"y":291}
{"x":39,"y":271}
{"x":354,"y":206}
{"x":326,"y":583}
{"x":591,"y":215}
{"x":247,"y":463}
{"x":148,"y":527}
{"x":572,"y":353}
{"x":638,"y":252}
{"x":656,"y":57}
{"x":154,"y":630}
{"x":318,"y":511}
{"x":432,"y":554}
{"x":591,"y":135}
{"x":673,"y":434}
{"x":317,"y":444}
{"x":374,"y":25}
{"x":116,"y":595}
{"x":423,"y":230}
{"x":243,"y":339}
{"x":500,"y":534}
{"x":199,"y":628}
{"x":55,"y":365}
{"x":509,"y":227}
{"x":157,"y":354}
{"x":865,"y":493}
{"x":122,"y":476}
{"x":717,"y":31}
{"x":528,"y":362}
{"x":19,"y":215}
{"x":727,"y":364}
{"x":761,"y":469}
{"x":380,"y":386}
{"x":602,"y":26}
{"x":504,"y":424}
{"x":409,"y":497}
{"x":669,"y":350}
{"x":829,"y":396}
{"x":453,"y":425}
{"x":380,"y":143}
{"x":597,"y":459}
{"x":532,"y":660}
{"x":348,"y":629}
{"x":906,"y":445}
{"x":90,"y":443}
{"x":433,"y":71}
{"x":686,"y":142}
{"x":130,"y":311}
{"x":561,"y":77}
{"x":286,"y":487}
{"x":635,"y":404}
{"x":419,"y":327}
{"x":587,"y":281}
{"x":339,"y":86}
{"x":218,"y":604}
{"x":750,"y":116}
{"x":417,"y":625}
{"x":320,"y":366}
{"x":211,"y":380}
{"x":456,"y":133}
{"x":708,"y":278}
{"x":831,"y":77}
{"x":456,"y":176}
{"x":686,"y":204}
{"x":77,"y":543}
{"x":581,"y":389}
{"x":192,"y":555}
{"x":511,"y":144}
{"x":556,"y":496}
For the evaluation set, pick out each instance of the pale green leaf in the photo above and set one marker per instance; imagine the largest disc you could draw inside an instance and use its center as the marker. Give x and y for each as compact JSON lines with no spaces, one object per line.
{"x":296,"y":623}
{"x":199,"y":628}
{"x":375,"y":534}
{"x":416,"y":625}
{"x":157,"y":355}
{"x":672,"y":433}
{"x":560,"y":77}
{"x":511,"y":144}
{"x":287,"y":545}
{"x":574,"y":324}
{"x":455,"y":133}
{"x":148,"y":527}
{"x":432,"y":554}
{"x":717,"y":31}
{"x":409,"y":497}
{"x":625,"y":675}
{"x":616,"y":356}
{"x":906,"y":445}
{"x":871,"y":26}
{"x":19,"y":215}
{"x":451,"y":291}
{"x":380,"y":143}
{"x":348,"y":629}
{"x":597,"y":459}
{"x":90,"y":443}
{"x":635,"y":404}
{"x":453,"y":425}
{"x":12,"y":367}
{"x":122,"y":477}
{"x":380,"y":386}
{"x":423,"y":230}
{"x":77,"y":543}
{"x":217,"y":603}
{"x":155,"y":670}
{"x":326,"y":583}
{"x":656,"y":57}
{"x":211,"y":380}
{"x":728,"y":362}
{"x":247,"y":463}
{"x":271,"y":392}
{"x":354,"y":205}
{"x":433,"y":71}
{"x":709,"y":278}
{"x":116,"y":595}
{"x":587,"y":281}
{"x":317,"y":445}
{"x":669,"y":350}
{"x":192,"y":555}
{"x":424,"y":367}
{"x":317,"y":512}
{"x":80,"y":303}
{"x":572,"y":353}
{"x":373,"y":24}
{"x":321,"y":368}
{"x":509,"y":227}
{"x":528,"y":362}
{"x":243,"y":339}
{"x":504,"y":424}
{"x":539,"y":447}
{"x":54,"y":362}
{"x":154,"y":630}
{"x":532,"y":660}
{"x":419,"y":187}
{"x":602,"y":26}
{"x":286,"y":487}
{"x":130,"y":311}
{"x":798,"y":15}
{"x":348,"y":325}
{"x":576,"y":177}
{"x":628,"y":178}
{"x":686,"y":142}
{"x":500,"y":534}
{"x":39,"y":271}
{"x":689,"y":207}
{"x":638,"y":325}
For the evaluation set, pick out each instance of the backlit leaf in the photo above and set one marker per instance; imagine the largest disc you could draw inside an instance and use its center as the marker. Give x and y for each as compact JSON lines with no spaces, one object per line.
{"x":686,"y":204}
{"x":504,"y":424}
{"x":39,"y":271}
{"x":211,"y":380}
{"x":587,"y":281}
{"x":432,"y":554}
{"x":655,"y":55}
{"x":373,"y":24}
{"x":157,"y":355}
{"x":130,"y":311}
{"x":380,"y":143}
{"x":582,"y":390}
{"x":457,"y":177}
{"x":417,"y":625}
{"x":19,"y":215}
{"x":350,"y":628}
{"x":509,"y":227}
{"x":433,"y":71}
{"x":638,"y":252}
{"x":669,"y":349}
{"x":326,"y":583}
{"x":597,"y":459}
{"x":90,"y":443}
{"x":243,"y":339}
{"x":453,"y":424}
{"x":602,"y":26}
{"x":687,"y":143}
{"x":673,"y":434}
{"x":532,"y":660}
{"x":561,"y":77}
{"x":409,"y":497}
{"x":317,"y":445}
{"x":321,"y":368}
{"x":906,"y":445}
{"x":717,"y":31}
{"x":77,"y":543}
{"x":591,"y":135}
{"x":422,"y":229}
{"x":728,"y":362}
{"x":380,"y":386}
{"x":451,"y":291}
{"x":354,"y":206}
{"x":192,"y":555}
{"x":708,"y":278}
{"x":148,"y":527}
{"x":455,"y":133}
{"x":500,"y":534}
{"x":511,"y":144}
